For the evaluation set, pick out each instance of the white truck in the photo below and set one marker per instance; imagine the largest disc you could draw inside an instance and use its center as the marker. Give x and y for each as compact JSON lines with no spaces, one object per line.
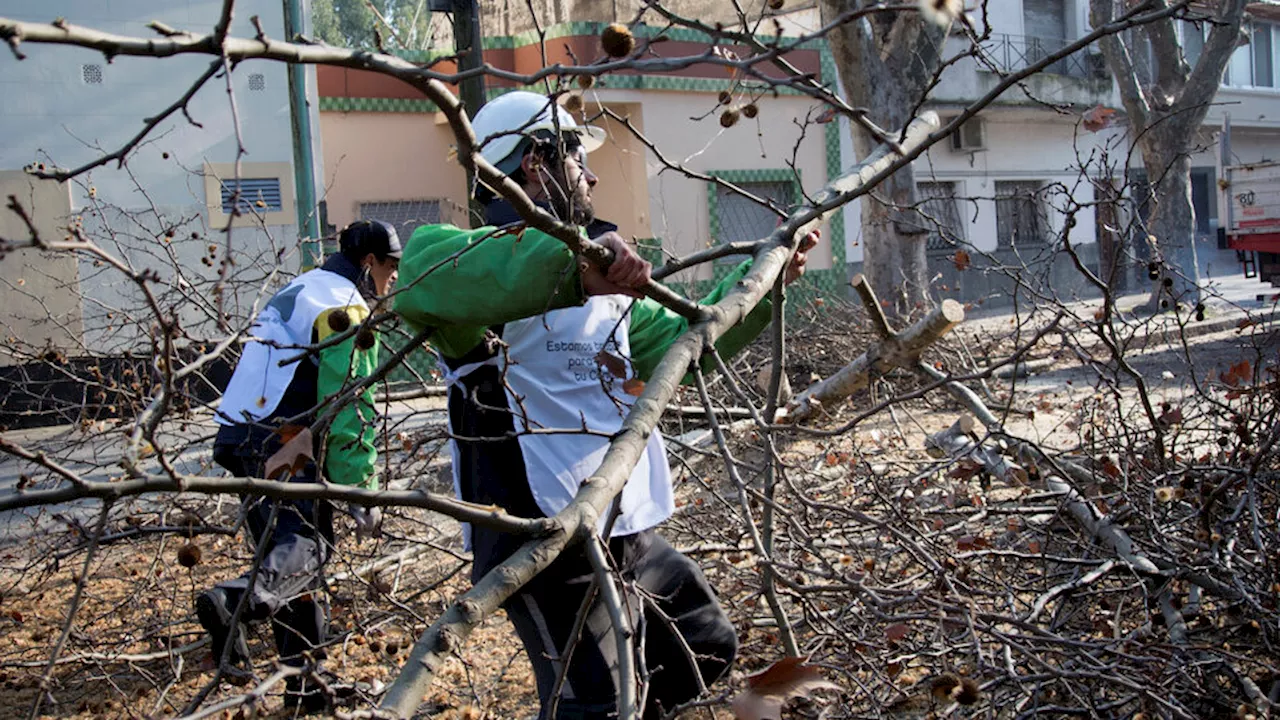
{"x":1253,"y":215}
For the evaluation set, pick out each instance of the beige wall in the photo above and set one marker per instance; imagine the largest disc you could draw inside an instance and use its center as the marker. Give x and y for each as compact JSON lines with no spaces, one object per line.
{"x":372,"y":157}
{"x":379,"y":157}
{"x":622,"y":195}
{"x":41,"y":289}
{"x":405,"y":156}
{"x":677,"y":204}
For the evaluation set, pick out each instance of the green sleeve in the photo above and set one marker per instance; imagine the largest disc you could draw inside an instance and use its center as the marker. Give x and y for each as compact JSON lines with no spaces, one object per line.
{"x":349,"y":454}
{"x":499,"y":279}
{"x":653,"y":327}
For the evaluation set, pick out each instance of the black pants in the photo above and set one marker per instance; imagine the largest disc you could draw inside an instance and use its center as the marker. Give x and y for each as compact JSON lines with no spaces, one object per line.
{"x":288,"y":587}
{"x":544,"y":610}
{"x":493,"y":473}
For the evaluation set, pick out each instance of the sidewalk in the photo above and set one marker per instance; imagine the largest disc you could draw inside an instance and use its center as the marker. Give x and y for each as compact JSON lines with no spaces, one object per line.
{"x":1229,"y":301}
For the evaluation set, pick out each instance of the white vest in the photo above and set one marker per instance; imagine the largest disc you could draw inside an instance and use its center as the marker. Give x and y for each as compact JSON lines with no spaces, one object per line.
{"x":554,"y":372}
{"x":259,"y":381}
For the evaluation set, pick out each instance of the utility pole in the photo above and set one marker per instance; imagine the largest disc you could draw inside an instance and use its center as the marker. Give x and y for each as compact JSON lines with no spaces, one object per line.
{"x":467,"y":44}
{"x":467,"y":41}
{"x":303,"y":162}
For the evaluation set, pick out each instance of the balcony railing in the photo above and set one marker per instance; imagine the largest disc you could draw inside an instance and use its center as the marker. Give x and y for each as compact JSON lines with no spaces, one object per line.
{"x":1011,"y":53}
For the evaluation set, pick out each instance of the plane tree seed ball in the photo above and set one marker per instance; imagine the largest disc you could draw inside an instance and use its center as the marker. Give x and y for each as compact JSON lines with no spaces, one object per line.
{"x":617,"y":40}
{"x":339,"y":321}
{"x":189,"y":555}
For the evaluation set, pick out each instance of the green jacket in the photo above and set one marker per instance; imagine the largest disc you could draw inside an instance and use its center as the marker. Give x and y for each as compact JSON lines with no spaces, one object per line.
{"x":350,"y":457}
{"x":505,"y":277}
{"x":262,"y":392}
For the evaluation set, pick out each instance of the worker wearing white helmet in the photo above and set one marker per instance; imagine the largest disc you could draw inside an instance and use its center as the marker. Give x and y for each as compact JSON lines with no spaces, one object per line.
{"x":559,"y":320}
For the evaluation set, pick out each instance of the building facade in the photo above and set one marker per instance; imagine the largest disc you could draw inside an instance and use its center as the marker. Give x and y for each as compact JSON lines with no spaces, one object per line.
{"x":1004,"y":186}
{"x":1000,"y":190}
{"x":413,"y":178}
{"x":169,"y":208}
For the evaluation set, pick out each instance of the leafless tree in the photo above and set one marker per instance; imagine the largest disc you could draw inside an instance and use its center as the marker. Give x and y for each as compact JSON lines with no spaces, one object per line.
{"x":1166,"y":93}
{"x":1101,"y":543}
{"x":887,"y":62}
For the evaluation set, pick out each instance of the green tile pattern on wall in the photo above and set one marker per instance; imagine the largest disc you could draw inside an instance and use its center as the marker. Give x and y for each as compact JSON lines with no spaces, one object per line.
{"x":377,"y":105}
{"x":651,"y":249}
{"x":751,"y":175}
{"x":815,"y":282}
{"x":420,"y":361}
{"x":671,"y":83}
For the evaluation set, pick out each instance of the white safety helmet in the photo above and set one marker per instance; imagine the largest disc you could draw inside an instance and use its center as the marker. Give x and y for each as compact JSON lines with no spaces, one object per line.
{"x":508,"y":119}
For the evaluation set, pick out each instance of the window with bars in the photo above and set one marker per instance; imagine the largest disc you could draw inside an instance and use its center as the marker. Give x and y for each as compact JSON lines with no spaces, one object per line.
{"x":1022,"y":219}
{"x":260,"y":195}
{"x":739,"y":219}
{"x":940,"y":214}
{"x":405,"y":215}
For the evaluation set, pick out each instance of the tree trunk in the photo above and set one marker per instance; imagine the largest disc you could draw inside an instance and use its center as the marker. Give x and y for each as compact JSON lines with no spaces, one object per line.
{"x":893,"y":245}
{"x":885,"y":64}
{"x":1172,"y":223}
{"x":1165,"y":112}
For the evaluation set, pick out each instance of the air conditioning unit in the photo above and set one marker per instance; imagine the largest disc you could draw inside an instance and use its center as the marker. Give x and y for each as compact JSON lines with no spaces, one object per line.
{"x":971,"y":135}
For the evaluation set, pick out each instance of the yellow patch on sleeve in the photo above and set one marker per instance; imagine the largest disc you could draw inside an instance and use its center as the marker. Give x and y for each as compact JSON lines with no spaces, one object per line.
{"x":339,"y":320}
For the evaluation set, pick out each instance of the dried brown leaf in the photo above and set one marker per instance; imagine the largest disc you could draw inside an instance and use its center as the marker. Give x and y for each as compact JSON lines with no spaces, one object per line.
{"x":1098,"y":117}
{"x":897,"y":631}
{"x":616,"y":366}
{"x":965,"y":469}
{"x":293,"y":455}
{"x":768,"y":689}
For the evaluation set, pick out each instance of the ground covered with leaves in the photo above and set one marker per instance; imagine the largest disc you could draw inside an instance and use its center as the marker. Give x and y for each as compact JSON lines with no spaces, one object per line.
{"x":916,"y":584}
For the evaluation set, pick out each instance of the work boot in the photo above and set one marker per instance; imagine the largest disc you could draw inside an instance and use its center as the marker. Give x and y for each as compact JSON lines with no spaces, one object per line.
{"x":214,"y":610}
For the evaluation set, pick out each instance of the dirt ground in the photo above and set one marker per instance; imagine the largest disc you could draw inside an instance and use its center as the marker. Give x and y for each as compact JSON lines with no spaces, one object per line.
{"x":136,"y":652}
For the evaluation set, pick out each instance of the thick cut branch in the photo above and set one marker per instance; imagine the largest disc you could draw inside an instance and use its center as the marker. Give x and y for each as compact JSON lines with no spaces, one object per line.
{"x":897,"y":350}
{"x":960,"y":441}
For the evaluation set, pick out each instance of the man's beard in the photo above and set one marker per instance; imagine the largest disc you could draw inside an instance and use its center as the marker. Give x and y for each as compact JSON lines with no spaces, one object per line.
{"x":575,"y":208}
